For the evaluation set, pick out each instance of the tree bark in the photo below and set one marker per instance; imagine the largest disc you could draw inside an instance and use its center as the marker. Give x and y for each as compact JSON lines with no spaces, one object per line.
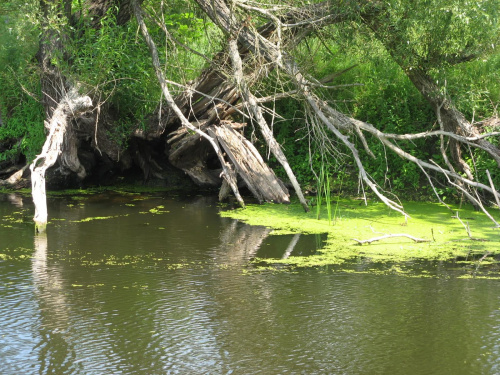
{"x":259,"y":178}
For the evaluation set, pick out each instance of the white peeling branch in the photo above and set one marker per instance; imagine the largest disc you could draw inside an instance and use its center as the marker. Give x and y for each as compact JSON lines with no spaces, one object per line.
{"x":460,"y":138}
{"x":312,"y":101}
{"x":257,"y":113}
{"x":266,"y":12}
{"x":343,"y":120}
{"x":474,"y":200}
{"x":495,"y":193}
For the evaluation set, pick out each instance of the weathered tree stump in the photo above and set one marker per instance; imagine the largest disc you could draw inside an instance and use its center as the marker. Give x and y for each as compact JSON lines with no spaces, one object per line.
{"x":60,"y":142}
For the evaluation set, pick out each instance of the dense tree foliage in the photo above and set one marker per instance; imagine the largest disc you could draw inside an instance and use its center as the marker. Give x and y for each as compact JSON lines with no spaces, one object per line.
{"x":405,"y":67}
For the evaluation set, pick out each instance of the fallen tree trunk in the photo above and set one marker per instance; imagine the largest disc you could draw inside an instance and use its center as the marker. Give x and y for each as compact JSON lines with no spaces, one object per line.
{"x":14,"y":178}
{"x":59,"y":142}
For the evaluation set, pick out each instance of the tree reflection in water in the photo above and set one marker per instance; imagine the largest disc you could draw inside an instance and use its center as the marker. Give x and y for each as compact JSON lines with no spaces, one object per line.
{"x":56,"y":351}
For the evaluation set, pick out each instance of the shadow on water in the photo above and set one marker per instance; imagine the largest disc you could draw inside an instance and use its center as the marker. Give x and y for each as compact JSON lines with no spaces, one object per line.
{"x":284,"y":246}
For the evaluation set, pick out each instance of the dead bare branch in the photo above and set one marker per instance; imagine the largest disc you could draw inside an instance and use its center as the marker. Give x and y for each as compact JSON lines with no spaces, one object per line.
{"x":257,"y":113}
{"x":415,"y":239}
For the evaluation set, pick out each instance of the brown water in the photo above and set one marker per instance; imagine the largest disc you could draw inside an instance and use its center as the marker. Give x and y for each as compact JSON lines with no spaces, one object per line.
{"x":165,"y":286}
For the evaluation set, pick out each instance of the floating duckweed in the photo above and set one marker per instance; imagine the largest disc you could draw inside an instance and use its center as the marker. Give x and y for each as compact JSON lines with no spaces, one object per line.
{"x":448,"y":240}
{"x":17,"y":254}
{"x":97,"y":218}
{"x":158,"y":210}
{"x":93,"y":218}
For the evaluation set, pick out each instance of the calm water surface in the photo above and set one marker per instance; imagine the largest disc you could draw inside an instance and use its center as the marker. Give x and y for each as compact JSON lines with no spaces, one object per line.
{"x":164,"y":286}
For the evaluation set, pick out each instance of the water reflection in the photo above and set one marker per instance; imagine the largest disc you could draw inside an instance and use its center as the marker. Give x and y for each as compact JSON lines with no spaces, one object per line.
{"x":15,"y":199}
{"x":284,"y":246}
{"x":239,"y":242}
{"x":291,"y":247}
{"x":55,"y":350}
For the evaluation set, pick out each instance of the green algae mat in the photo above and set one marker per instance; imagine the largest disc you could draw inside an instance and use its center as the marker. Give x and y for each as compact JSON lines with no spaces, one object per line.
{"x":470,"y":238}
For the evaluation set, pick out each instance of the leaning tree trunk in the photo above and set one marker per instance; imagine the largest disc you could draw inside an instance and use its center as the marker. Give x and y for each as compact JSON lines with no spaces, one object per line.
{"x":59,"y":143}
{"x":212,"y":99}
{"x":451,"y":119}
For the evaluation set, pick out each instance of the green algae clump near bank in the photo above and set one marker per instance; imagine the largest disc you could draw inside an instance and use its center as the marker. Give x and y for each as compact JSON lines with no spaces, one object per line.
{"x":448,"y":239}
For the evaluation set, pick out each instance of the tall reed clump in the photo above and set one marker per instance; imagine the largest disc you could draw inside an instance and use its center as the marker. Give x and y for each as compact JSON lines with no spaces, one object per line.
{"x":324,"y":192}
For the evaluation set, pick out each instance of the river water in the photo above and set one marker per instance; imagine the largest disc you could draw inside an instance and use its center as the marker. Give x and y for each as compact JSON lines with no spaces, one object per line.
{"x":160,"y":284}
